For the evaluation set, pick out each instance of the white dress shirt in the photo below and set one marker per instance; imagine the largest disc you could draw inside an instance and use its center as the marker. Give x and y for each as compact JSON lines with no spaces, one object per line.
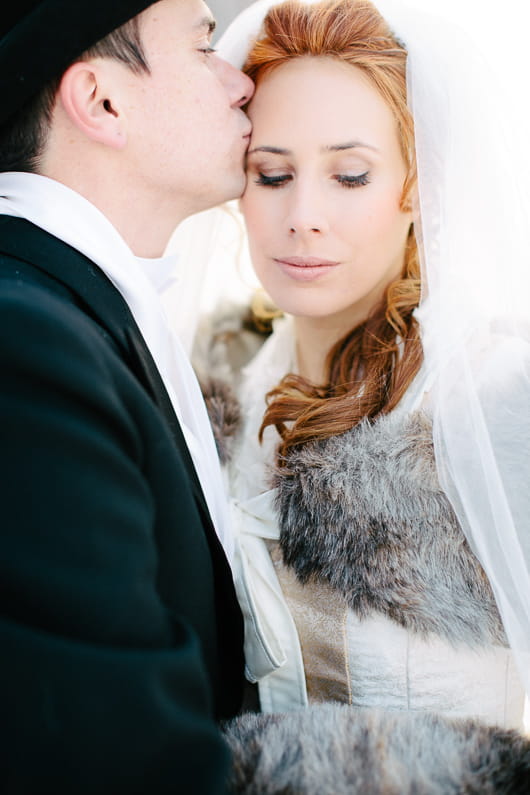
{"x":66,"y":215}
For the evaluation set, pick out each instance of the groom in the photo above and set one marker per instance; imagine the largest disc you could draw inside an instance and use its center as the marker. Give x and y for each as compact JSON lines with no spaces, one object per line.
{"x":120,"y":635}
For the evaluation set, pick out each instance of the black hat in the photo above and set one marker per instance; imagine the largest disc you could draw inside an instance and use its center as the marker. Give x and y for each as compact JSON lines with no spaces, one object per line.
{"x":39,"y":39}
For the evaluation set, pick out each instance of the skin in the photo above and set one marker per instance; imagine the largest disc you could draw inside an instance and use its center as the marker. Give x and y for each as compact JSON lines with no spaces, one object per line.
{"x":172,"y":141}
{"x":328,"y":192}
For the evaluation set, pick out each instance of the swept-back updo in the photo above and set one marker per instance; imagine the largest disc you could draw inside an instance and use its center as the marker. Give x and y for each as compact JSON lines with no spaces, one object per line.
{"x":370,"y":368}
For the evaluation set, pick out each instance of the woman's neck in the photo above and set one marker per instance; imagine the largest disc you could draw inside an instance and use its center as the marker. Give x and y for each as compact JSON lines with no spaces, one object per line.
{"x":314,"y":339}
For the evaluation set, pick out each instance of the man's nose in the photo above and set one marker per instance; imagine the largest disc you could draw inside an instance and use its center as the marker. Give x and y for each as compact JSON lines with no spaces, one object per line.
{"x":239,"y":86}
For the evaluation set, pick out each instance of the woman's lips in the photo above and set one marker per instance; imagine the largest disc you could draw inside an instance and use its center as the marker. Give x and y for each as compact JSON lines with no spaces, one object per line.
{"x":305,"y":269}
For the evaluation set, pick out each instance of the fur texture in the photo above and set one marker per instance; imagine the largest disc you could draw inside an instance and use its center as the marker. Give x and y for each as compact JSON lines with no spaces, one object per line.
{"x":225,"y":342}
{"x":364,"y":512}
{"x":224,"y":413}
{"x":333,"y":749}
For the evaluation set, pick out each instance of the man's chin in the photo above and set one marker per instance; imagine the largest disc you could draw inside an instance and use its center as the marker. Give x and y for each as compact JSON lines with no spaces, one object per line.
{"x":232,"y":187}
{"x":235,"y":187}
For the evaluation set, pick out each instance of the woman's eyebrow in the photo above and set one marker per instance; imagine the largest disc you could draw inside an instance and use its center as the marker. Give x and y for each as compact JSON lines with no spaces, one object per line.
{"x":350,"y":145}
{"x":278,"y":150}
{"x":274,"y":150}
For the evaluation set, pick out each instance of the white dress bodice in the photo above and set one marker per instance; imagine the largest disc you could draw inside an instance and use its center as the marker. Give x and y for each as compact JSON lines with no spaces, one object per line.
{"x":302,"y":642}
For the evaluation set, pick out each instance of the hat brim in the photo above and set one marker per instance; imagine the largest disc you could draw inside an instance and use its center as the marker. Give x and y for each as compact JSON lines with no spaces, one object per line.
{"x":48,"y":39}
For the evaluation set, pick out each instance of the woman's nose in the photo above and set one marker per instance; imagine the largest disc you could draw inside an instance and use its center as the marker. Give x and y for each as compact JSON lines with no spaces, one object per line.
{"x":302,"y":228}
{"x":306,"y":214}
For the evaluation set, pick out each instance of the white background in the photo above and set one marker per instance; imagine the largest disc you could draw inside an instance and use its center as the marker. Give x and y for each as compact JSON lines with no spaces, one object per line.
{"x":500,"y":27}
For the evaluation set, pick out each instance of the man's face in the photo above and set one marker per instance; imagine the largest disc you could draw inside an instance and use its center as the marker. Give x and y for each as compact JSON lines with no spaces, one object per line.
{"x":187,"y":135}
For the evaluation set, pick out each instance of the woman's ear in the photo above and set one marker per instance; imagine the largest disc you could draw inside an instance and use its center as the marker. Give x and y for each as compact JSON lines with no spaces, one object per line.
{"x":91,"y":104}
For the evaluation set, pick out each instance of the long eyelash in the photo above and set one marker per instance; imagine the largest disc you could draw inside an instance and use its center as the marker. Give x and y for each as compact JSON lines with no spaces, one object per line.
{"x":353,"y":181}
{"x":272,"y":182}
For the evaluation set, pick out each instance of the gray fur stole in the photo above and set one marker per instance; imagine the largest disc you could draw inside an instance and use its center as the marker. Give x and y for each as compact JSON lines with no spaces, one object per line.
{"x":334,"y":749}
{"x":365,"y":513}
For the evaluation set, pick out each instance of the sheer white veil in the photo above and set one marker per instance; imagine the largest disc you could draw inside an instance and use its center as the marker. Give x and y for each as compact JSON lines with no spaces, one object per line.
{"x":474,"y":315}
{"x":474,"y":236}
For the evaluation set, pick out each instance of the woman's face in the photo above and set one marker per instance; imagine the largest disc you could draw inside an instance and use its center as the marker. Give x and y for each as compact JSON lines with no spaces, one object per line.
{"x":325,"y":179}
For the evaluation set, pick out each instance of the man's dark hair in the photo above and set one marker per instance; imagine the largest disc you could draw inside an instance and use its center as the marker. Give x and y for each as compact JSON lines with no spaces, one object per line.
{"x":23,"y":138}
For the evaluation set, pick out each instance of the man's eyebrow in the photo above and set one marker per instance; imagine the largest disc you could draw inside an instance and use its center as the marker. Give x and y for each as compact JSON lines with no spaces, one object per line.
{"x":207,"y":22}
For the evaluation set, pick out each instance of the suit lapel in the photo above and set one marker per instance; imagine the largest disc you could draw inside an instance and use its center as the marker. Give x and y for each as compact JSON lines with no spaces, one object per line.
{"x":100,"y":300}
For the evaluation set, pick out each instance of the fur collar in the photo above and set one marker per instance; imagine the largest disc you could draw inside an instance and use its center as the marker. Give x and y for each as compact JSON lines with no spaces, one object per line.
{"x":365,"y":513}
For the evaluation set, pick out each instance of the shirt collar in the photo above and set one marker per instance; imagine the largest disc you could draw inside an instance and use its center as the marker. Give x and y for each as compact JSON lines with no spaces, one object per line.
{"x":161,"y":271}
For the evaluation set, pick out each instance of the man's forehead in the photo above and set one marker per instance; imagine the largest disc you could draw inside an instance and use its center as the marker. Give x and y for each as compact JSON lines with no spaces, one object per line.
{"x":192,"y":17}
{"x":181,"y":20}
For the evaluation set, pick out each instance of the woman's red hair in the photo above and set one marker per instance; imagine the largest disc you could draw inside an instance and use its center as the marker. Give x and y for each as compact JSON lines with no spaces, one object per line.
{"x":369,"y":370}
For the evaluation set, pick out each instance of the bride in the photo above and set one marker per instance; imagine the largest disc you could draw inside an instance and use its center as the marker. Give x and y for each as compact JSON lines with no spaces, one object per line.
{"x":379,"y":473}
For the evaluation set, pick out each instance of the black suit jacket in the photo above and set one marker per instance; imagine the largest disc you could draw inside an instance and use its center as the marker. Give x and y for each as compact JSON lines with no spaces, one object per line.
{"x":121,"y":637}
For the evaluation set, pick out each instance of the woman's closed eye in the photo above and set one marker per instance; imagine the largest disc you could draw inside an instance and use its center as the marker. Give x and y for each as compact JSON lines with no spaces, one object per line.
{"x":353,"y":180}
{"x":346,"y":180}
{"x":272,"y":181}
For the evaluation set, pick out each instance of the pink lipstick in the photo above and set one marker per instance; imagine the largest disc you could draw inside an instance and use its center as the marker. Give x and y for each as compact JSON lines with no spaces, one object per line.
{"x":305,"y":269}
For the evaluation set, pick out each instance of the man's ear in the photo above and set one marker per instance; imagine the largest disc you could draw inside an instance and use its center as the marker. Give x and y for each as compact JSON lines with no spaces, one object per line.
{"x":86,"y":96}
